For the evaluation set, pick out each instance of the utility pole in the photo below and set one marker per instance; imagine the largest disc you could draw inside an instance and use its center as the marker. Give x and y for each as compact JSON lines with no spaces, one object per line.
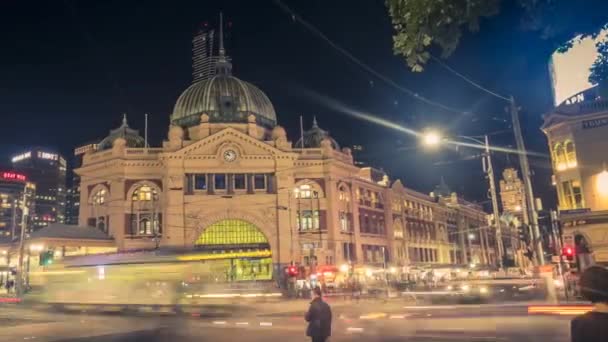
{"x":490,"y":171}
{"x":529,"y":194}
{"x":24,"y":213}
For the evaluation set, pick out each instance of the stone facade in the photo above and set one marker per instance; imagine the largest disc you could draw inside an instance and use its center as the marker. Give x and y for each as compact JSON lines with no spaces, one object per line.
{"x":226,"y":164}
{"x":576,"y":134}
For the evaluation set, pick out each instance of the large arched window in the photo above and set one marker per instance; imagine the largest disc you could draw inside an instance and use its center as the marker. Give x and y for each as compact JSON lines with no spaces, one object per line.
{"x":306,"y":191}
{"x":144,"y":193}
{"x":146,"y":210}
{"x":100,"y":196}
{"x":559,"y":157}
{"x":570,"y":154}
{"x":236,"y":233}
{"x":343,"y":194}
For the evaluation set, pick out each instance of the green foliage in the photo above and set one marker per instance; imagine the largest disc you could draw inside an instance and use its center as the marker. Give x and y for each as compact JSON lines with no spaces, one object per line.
{"x":420,"y":23}
{"x":599,"y":69}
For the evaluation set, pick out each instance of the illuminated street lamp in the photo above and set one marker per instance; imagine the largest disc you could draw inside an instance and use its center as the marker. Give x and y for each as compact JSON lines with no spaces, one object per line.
{"x":471,"y":236}
{"x":344,"y":268}
{"x":431,"y":138}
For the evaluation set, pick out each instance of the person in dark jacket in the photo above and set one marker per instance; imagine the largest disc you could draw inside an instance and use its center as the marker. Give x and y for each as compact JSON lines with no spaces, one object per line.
{"x":592,"y":326}
{"x":318,"y":318}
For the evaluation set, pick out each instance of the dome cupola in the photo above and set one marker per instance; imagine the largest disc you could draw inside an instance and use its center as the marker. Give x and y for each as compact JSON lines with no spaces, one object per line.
{"x":313,"y":138}
{"x":131,"y":136}
{"x":224,"y":98}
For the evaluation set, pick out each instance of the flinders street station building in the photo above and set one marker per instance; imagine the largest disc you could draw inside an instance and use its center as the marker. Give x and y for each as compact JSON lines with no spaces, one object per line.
{"x":228,"y":182}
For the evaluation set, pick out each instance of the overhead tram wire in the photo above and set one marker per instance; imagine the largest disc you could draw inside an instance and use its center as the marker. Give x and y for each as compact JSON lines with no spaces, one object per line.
{"x":366,"y":67}
{"x":468,"y":80}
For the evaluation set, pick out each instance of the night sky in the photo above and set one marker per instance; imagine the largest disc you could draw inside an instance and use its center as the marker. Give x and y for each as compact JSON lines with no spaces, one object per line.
{"x":69,"y":69}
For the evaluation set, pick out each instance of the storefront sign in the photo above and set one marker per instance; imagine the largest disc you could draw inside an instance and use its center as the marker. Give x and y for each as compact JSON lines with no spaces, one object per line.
{"x":589,"y":124}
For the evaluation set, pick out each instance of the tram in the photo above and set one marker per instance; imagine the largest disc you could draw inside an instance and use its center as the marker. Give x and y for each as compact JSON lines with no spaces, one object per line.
{"x":155,"y":278}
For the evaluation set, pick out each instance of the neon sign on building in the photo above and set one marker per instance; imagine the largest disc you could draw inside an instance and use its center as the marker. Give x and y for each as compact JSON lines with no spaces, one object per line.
{"x":47,"y":155}
{"x":13,"y":176}
{"x":21,"y":157}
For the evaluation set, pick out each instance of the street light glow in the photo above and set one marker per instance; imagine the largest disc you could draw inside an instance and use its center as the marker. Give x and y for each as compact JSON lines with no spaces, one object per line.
{"x":431,"y":138}
{"x":602,"y":183}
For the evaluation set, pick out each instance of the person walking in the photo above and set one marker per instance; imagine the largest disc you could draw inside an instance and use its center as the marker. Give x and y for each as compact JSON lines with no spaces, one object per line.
{"x":592,"y":326}
{"x":318,"y":318}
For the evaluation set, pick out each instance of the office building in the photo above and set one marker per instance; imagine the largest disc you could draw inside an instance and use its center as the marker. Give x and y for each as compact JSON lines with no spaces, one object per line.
{"x":14,"y":190}
{"x":576,"y":132}
{"x":73,"y":192}
{"x":47,"y":170}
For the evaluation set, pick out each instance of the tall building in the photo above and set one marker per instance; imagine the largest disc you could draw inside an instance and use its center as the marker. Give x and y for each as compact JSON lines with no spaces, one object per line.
{"x":205,"y":53}
{"x":203,"y":61}
{"x":512,"y":194}
{"x":14,"y":190}
{"x":48,"y":171}
{"x":73,"y":192}
{"x":576,"y":133}
{"x":358,"y":152}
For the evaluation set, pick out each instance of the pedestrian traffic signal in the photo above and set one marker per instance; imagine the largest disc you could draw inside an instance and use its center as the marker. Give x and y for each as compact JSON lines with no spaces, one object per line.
{"x":292,"y":271}
{"x":46,"y":258}
{"x":568,"y":252}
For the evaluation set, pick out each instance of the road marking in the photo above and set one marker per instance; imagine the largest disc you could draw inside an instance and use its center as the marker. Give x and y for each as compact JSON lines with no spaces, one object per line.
{"x":464,"y":306}
{"x":219,"y":322}
{"x":265,"y":324}
{"x":353,"y":329}
{"x":373,"y":315}
{"x":397,"y":316}
{"x":242,"y":323}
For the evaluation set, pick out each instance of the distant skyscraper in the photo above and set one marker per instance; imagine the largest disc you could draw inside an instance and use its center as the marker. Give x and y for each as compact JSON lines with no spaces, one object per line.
{"x":512,"y":193}
{"x":202,"y":54}
{"x":48,"y":171}
{"x":73,"y":195}
{"x":205,"y":53}
{"x":358,"y":157}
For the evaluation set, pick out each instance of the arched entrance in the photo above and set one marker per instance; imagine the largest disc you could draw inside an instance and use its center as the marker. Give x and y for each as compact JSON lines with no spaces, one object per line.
{"x":246,"y":249}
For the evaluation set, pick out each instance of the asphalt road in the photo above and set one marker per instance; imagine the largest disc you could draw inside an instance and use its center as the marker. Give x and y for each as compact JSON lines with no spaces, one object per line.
{"x":366,"y":323}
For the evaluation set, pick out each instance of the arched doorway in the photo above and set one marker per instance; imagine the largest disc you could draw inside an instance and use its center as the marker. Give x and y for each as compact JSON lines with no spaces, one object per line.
{"x":246,"y":249}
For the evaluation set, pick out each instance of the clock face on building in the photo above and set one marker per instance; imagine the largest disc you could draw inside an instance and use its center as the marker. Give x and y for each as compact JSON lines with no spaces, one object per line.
{"x":229,"y":155}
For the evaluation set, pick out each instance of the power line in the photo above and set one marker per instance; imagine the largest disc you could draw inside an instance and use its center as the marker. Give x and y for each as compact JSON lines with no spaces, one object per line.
{"x":361,"y":64}
{"x":468,"y":80}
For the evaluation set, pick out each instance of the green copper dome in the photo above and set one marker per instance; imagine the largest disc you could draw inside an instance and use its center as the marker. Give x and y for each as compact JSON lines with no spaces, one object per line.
{"x":225,"y":99}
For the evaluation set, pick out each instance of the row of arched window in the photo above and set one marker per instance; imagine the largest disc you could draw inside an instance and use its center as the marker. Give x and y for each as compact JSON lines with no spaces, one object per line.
{"x":564,"y":155}
{"x":141,"y":193}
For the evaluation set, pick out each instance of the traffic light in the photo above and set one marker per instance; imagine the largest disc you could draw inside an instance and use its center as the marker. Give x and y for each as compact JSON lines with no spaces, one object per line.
{"x":292,"y":271}
{"x":568,"y":252}
{"x":46,"y":258}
